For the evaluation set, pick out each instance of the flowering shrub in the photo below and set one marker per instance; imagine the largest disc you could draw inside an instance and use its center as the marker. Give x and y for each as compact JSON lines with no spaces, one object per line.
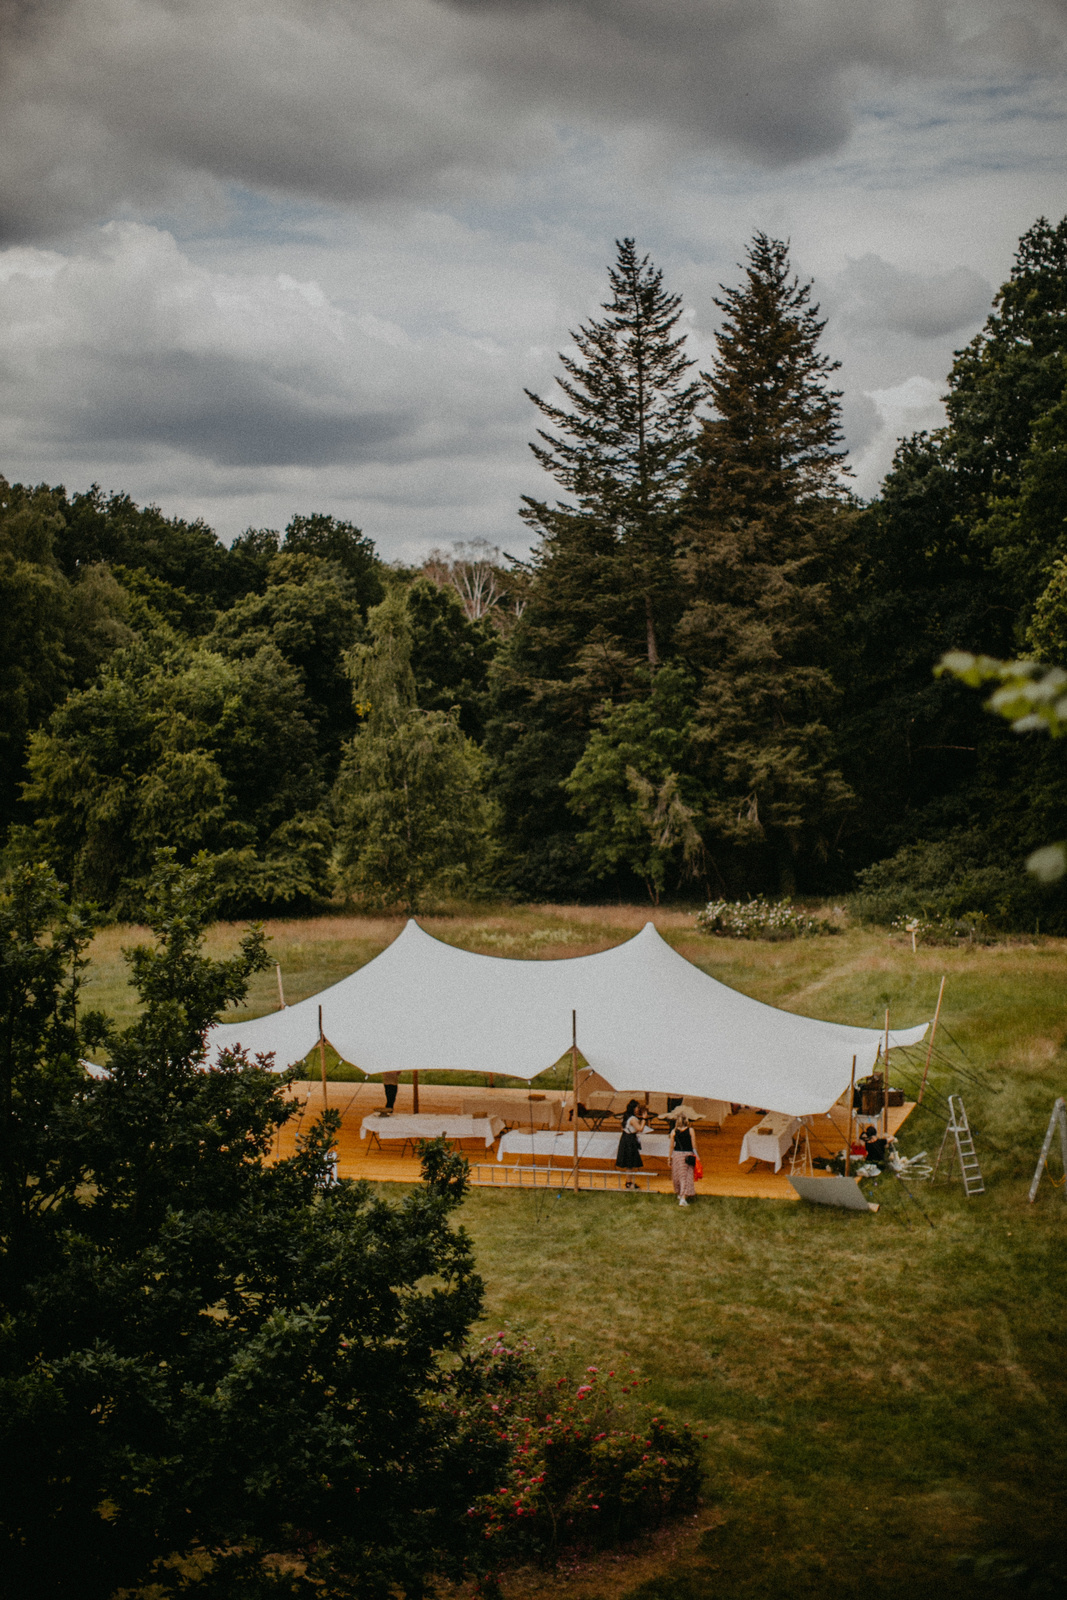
{"x":760,"y":919}
{"x":973,"y":926}
{"x":586,"y":1462}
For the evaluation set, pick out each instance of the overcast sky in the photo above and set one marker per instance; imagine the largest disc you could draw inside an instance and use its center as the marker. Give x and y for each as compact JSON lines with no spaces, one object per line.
{"x":266,"y":256}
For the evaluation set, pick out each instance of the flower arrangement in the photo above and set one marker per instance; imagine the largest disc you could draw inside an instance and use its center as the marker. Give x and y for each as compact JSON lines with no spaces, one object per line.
{"x":760,"y":919}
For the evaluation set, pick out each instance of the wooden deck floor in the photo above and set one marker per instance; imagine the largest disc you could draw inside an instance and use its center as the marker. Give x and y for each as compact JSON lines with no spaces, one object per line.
{"x":719,"y":1151}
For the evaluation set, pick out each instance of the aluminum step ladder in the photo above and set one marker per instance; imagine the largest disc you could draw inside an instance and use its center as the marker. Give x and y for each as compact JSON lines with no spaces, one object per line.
{"x":959,"y":1130}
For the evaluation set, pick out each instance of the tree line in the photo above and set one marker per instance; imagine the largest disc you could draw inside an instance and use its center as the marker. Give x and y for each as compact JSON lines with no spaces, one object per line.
{"x":713,"y":675}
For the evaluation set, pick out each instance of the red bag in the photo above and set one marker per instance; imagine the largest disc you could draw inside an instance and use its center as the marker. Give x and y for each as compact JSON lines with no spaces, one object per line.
{"x":698,"y":1171}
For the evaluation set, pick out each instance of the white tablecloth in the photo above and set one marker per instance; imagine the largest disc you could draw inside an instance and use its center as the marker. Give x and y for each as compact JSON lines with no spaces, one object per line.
{"x":591,"y":1146}
{"x":427,"y":1125}
{"x":715,"y":1111}
{"x":769,"y":1146}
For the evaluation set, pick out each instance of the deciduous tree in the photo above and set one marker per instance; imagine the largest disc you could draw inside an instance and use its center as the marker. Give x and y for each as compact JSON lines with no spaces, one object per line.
{"x":218,"y":1374}
{"x":412,"y":817}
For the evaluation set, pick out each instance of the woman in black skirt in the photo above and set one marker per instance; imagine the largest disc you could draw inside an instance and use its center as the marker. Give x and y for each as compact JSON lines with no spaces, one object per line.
{"x":628,"y":1155}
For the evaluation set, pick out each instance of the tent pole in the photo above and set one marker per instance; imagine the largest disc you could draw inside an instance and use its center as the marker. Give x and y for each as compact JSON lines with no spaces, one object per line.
{"x":885,"y":1080}
{"x":930,"y":1047}
{"x":322,"y":1056}
{"x":415,"y":1093}
{"x":848,"y":1144}
{"x":574,"y":1083}
{"x":281,"y":991}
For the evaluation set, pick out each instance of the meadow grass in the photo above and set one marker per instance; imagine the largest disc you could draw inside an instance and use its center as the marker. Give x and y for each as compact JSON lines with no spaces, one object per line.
{"x":883,"y":1398}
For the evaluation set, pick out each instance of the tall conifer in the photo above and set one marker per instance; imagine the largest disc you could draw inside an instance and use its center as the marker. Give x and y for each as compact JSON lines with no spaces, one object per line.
{"x":602,"y":592}
{"x":623,"y":444}
{"x":766,"y":499}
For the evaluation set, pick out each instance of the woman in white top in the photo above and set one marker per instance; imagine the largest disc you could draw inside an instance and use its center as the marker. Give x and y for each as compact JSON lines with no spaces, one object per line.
{"x":628,"y":1155}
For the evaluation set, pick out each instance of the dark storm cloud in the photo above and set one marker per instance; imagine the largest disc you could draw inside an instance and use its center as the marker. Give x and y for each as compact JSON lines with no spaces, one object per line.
{"x":871,"y":295}
{"x":230,"y":412}
{"x":132,"y":347}
{"x":106,"y":102}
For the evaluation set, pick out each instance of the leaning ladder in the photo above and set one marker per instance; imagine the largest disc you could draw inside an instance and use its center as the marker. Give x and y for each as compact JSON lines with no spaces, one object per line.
{"x":1058,"y":1119}
{"x":959,"y":1130}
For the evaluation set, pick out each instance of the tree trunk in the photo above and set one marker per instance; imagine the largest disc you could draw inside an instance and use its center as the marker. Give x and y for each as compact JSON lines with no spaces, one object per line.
{"x":650,"y":630}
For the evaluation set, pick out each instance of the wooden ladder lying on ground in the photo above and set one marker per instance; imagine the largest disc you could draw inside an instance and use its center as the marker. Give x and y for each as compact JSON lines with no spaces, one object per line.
{"x":964,"y":1152}
{"x":502,"y":1175}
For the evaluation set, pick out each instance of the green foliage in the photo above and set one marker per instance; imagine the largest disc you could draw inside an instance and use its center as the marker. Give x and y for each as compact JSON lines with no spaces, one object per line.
{"x":765,"y":518}
{"x":631,"y":786}
{"x":309,"y":613}
{"x":760,"y":919}
{"x":177,"y":747}
{"x":624,"y":446}
{"x":413,"y":821}
{"x":42,"y":964}
{"x":948,"y":879}
{"x":450,"y":655}
{"x":955,"y":556}
{"x":114,"y":530}
{"x":1025,"y":529}
{"x":601,"y":598}
{"x":56,"y":632}
{"x":584,"y":1465}
{"x":207,"y":1361}
{"x":1012,"y":373}
{"x":1030,"y":697}
{"x":1046,"y":636}
{"x":343,"y":544}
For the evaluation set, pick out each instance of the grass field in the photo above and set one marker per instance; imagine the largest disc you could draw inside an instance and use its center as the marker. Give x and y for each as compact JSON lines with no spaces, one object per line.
{"x":884,"y":1399}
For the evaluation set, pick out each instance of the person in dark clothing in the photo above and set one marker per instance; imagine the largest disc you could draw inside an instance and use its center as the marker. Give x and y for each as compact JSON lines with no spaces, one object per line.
{"x":683,"y":1149}
{"x":874,"y":1146}
{"x":628,"y":1155}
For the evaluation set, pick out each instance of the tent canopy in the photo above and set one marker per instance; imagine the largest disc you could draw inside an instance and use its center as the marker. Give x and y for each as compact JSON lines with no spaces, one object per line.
{"x":647,"y":1020}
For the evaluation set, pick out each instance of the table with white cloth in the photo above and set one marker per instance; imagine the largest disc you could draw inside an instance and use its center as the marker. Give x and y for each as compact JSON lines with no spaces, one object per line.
{"x":770,"y":1146}
{"x":592,"y":1146}
{"x":715,"y":1111}
{"x":431,"y":1125}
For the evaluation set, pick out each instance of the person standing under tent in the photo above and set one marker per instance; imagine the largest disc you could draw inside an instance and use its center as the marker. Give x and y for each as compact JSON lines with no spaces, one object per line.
{"x":628,"y":1155}
{"x":684,"y":1154}
{"x":390,"y":1079}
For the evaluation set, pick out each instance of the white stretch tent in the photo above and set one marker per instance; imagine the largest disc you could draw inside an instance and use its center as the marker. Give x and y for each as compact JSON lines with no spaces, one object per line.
{"x":647,"y":1020}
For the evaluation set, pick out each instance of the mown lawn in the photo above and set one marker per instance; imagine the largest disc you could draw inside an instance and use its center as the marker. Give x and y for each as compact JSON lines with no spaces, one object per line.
{"x":884,"y":1399}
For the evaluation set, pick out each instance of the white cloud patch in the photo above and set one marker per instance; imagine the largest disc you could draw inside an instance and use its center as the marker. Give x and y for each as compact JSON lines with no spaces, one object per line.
{"x":129,"y":353}
{"x":890,"y":415}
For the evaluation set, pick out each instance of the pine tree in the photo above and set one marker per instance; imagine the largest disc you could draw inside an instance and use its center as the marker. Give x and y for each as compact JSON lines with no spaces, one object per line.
{"x":765,"y":506}
{"x":601,"y":593}
{"x":623,"y":447}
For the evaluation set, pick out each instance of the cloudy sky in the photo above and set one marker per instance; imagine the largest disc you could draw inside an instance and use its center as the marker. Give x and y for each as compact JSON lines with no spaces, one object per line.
{"x":266,"y":256}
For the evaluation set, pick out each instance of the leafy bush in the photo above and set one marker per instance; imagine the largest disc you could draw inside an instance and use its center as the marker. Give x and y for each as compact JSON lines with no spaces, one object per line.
{"x":973,"y":927}
{"x":586,"y":1463}
{"x":760,"y":919}
{"x":959,"y":879}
